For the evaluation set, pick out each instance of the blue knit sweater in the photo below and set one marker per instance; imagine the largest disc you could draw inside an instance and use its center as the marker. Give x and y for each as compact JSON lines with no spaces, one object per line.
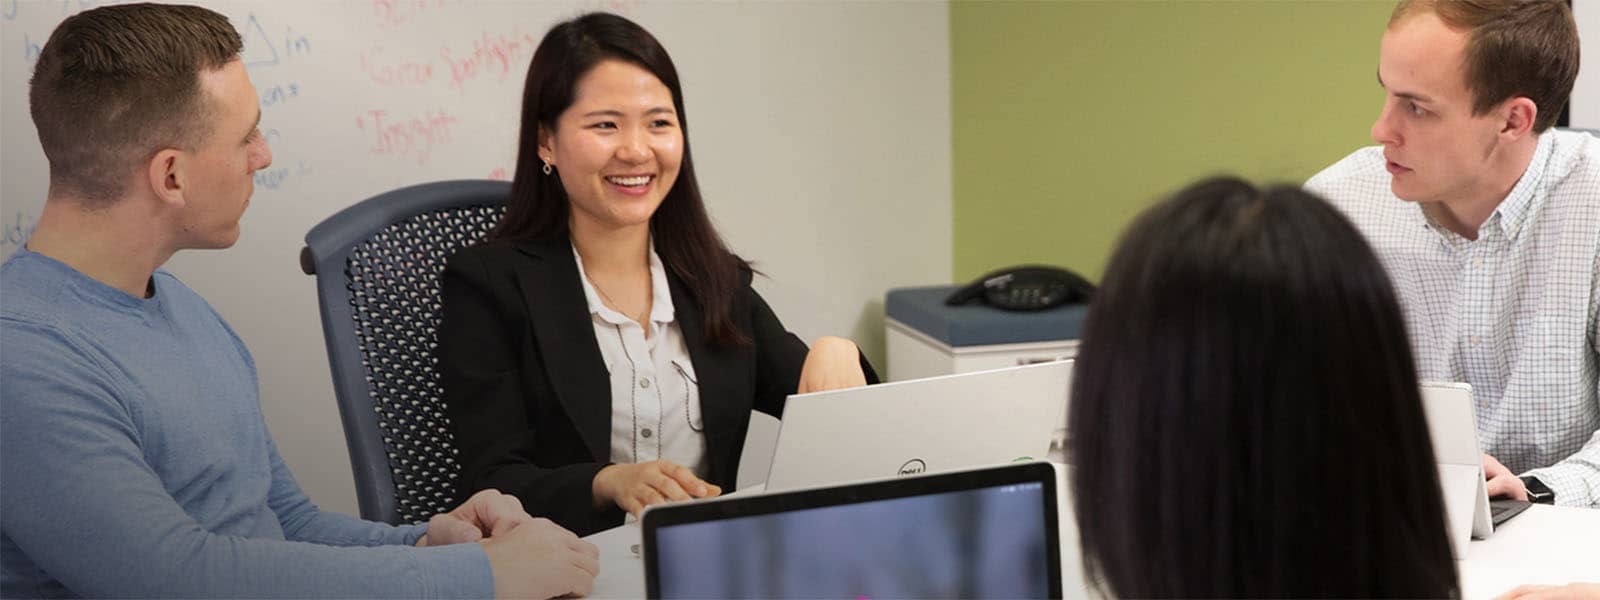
{"x":134,"y":461}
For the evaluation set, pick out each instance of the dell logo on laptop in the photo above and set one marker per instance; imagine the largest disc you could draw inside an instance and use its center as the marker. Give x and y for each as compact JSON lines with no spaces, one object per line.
{"x":914,"y":466}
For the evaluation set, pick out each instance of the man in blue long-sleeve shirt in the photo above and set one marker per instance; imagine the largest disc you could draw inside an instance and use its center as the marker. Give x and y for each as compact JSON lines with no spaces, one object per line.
{"x":134,"y":460}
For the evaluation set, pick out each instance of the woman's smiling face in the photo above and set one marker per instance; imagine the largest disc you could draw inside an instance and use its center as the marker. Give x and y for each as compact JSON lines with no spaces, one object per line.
{"x":617,"y":148}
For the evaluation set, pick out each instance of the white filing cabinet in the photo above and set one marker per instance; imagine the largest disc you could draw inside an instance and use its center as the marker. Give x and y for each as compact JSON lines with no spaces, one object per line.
{"x":928,"y":339}
{"x":915,"y":355}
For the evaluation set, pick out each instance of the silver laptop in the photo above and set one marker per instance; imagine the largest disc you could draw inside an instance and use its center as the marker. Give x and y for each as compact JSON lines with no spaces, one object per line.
{"x":919,"y":426}
{"x":1453,"y":428}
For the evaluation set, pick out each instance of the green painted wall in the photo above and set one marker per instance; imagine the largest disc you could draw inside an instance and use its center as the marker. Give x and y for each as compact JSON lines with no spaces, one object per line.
{"x":1069,"y":117}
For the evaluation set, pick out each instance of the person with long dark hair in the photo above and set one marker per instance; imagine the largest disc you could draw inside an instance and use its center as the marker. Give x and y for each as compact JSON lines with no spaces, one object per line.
{"x":1246,"y":419}
{"x":603,"y":350}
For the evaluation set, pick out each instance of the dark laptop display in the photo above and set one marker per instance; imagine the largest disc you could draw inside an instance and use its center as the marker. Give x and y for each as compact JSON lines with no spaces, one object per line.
{"x":989,"y":533}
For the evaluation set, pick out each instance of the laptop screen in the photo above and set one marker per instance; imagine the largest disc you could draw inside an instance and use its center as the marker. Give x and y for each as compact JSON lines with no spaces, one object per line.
{"x":959,"y":535}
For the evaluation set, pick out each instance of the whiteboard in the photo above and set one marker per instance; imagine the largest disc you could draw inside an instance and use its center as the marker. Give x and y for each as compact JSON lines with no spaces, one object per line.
{"x":821,"y":132}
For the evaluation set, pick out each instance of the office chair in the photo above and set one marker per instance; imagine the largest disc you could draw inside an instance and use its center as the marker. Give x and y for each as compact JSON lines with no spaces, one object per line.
{"x":377,"y":265}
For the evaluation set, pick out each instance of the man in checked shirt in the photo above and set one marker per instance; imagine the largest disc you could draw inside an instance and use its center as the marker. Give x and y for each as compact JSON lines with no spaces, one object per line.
{"x":1488,"y":221}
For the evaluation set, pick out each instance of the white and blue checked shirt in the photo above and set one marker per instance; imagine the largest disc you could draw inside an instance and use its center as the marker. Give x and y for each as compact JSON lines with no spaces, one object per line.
{"x":1515,"y":313}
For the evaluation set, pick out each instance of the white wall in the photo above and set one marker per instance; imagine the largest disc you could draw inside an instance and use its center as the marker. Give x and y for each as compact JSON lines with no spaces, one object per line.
{"x":821,"y":132}
{"x":1586,"y":94}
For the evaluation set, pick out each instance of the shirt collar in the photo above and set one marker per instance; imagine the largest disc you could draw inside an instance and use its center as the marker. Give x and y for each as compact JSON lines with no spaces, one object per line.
{"x":661,"y":309}
{"x":1524,"y":197}
{"x":1509,"y":216}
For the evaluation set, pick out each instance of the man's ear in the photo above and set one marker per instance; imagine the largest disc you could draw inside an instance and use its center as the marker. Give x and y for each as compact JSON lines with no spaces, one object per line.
{"x":1519,"y":112}
{"x":166,"y":177}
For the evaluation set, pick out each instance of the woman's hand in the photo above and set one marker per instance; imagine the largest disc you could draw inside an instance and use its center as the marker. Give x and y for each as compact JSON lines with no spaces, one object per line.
{"x":633,"y":487}
{"x":833,"y":363}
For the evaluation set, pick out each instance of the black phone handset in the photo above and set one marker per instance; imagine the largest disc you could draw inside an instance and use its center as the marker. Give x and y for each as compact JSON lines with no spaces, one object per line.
{"x":1025,"y":288}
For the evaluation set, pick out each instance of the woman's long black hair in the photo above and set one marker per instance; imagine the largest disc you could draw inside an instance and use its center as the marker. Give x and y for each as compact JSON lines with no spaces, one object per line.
{"x":1246,"y":420}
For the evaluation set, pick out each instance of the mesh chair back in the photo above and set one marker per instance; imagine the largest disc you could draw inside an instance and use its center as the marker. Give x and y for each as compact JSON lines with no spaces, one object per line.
{"x":378,"y":265}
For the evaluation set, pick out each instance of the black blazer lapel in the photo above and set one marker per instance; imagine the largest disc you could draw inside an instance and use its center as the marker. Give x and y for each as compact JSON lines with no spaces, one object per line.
{"x":724,"y":386}
{"x":564,"y":333}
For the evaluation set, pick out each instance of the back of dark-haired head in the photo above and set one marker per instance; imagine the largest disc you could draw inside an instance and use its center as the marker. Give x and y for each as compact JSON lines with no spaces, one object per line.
{"x":538,"y":208}
{"x":116,"y":84}
{"x":1246,"y":419}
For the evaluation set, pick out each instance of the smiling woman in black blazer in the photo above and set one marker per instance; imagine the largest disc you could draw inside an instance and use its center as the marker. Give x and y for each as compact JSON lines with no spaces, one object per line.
{"x":603,"y":350}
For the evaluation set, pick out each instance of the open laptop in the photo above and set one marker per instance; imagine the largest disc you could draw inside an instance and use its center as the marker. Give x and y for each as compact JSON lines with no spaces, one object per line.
{"x":985,"y":533}
{"x":919,"y":426}
{"x":1453,"y":429}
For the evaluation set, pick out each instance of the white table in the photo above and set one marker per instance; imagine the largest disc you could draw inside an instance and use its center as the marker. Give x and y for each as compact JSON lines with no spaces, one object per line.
{"x":621,"y":571}
{"x":1545,"y":544}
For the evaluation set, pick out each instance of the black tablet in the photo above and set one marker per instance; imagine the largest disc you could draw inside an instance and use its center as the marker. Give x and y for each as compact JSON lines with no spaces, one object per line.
{"x":983,"y":533}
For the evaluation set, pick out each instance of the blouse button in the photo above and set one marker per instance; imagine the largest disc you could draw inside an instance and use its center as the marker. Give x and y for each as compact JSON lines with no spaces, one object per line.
{"x":645,"y":432}
{"x":644,"y":383}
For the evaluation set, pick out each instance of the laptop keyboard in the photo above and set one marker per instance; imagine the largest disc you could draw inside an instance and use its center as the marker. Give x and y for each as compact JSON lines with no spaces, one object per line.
{"x":1502,"y":509}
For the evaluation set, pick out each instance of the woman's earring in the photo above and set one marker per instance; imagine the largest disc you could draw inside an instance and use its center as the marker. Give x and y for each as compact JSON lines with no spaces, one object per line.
{"x":547,"y":169}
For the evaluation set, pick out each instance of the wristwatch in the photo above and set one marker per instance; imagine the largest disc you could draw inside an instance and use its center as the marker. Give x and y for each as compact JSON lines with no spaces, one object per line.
{"x":1538,"y":492}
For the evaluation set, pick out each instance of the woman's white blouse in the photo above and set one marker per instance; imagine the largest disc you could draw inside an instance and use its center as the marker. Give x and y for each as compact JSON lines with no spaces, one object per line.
{"x":655,"y":400}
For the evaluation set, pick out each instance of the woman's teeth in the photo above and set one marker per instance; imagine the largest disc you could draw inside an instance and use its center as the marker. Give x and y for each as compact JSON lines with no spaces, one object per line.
{"x":630,"y":181}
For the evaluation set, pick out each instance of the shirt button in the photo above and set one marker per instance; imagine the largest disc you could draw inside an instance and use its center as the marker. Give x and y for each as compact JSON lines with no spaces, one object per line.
{"x":1476,"y":340}
{"x":645,"y":432}
{"x":1477,"y":261}
{"x":644,"y":383}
